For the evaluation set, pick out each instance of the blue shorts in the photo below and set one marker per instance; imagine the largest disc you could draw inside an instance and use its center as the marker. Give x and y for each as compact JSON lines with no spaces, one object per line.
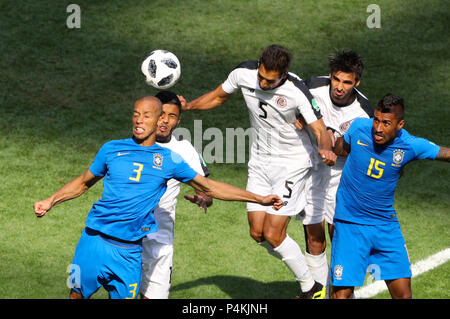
{"x":357,"y":249}
{"x":101,"y":261}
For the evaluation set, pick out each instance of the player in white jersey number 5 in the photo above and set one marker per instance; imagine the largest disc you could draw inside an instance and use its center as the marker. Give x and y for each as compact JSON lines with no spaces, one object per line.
{"x":280,"y":155}
{"x":157,"y":247}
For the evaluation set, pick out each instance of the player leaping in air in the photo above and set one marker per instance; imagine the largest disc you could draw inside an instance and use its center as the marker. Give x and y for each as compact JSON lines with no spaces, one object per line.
{"x":367,"y":231}
{"x":280,"y":155}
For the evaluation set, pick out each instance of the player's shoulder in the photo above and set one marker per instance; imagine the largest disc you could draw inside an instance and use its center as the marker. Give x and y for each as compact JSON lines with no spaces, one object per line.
{"x":364,"y":102}
{"x":248,"y":65}
{"x":361,"y":123}
{"x":112,"y":144}
{"x":317,"y":82}
{"x":421,"y":147}
{"x":407,"y":138}
{"x":298,"y":85}
{"x":183,"y":145}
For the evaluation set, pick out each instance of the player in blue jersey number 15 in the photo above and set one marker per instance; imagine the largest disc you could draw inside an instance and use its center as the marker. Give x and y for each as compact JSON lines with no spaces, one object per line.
{"x":135,"y":171}
{"x":367,"y":232}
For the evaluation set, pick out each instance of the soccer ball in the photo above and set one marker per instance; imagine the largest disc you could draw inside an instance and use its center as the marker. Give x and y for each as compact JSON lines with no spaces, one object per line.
{"x":161,"y":69}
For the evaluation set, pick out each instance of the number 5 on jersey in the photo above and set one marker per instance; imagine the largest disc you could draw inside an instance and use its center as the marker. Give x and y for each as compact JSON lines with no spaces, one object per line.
{"x":137,"y":171}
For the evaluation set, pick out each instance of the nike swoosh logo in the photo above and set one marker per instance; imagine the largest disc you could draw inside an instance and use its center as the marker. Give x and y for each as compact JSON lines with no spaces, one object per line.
{"x":359,"y":143}
{"x":120,"y":154}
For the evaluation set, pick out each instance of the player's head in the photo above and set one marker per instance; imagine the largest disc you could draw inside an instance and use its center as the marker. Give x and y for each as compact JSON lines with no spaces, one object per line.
{"x":170,"y":117}
{"x":273,"y":66}
{"x":345,"y":73}
{"x":146,"y":113}
{"x":388,"y":119}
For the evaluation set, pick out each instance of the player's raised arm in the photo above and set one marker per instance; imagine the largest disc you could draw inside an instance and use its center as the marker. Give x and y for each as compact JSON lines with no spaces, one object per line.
{"x":69,"y":191}
{"x":324,"y":142}
{"x":229,"y":192}
{"x":444,"y":154}
{"x":207,"y":101}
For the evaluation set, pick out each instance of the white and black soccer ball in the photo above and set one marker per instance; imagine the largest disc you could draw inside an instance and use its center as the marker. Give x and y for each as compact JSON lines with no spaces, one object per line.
{"x":162,"y":69}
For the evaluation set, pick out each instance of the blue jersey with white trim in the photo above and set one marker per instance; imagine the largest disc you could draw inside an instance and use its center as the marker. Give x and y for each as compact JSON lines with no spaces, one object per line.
{"x":371,"y":172}
{"x":135,"y":178}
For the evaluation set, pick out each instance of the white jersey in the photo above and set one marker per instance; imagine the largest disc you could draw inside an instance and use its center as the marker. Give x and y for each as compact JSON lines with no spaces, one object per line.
{"x":337,"y":117}
{"x":165,"y":211}
{"x":273,"y":114}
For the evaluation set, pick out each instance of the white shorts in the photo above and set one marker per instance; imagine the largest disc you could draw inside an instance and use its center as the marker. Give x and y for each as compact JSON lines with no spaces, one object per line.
{"x":285,"y":180}
{"x":157,"y":261}
{"x":321,"y":186}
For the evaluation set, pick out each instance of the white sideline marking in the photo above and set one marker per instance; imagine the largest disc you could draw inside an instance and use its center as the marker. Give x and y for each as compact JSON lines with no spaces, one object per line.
{"x":418,"y":268}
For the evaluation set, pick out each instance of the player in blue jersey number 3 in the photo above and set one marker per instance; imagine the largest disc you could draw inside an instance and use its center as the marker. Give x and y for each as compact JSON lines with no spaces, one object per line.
{"x":367,"y":231}
{"x":135,"y":171}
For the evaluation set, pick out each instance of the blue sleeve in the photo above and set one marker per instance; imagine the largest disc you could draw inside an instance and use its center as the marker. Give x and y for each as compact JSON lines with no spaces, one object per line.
{"x":424,"y":149}
{"x":353,"y":127}
{"x":98,"y":166}
{"x":182,"y":171}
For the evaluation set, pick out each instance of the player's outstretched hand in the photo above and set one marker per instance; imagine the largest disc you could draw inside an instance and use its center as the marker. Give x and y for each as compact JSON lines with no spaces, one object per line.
{"x":183,"y":102}
{"x":273,"y":200}
{"x":328,"y":157}
{"x":42,"y":207}
{"x":199,"y":200}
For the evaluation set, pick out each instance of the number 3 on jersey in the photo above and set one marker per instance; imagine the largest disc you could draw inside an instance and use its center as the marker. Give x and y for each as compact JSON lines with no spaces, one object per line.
{"x":375,"y":164}
{"x":137,"y":171}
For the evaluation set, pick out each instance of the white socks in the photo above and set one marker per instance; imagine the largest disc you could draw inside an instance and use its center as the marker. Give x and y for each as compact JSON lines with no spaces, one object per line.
{"x":318,"y":266}
{"x":290,"y":253}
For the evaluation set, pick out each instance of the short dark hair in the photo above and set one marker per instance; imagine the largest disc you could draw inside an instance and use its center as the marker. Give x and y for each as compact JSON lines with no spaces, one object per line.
{"x":276,"y":58}
{"x":390,"y":100}
{"x":348,"y":62}
{"x":168,"y":97}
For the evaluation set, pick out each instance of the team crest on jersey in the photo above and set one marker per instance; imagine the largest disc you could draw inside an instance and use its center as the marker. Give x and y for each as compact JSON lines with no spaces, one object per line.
{"x":157,"y":160}
{"x":338,"y":270}
{"x":398,"y":156}
{"x":345,"y":126}
{"x":281,"y":101}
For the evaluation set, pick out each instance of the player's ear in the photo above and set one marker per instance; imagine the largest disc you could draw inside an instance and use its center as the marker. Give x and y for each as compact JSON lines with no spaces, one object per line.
{"x":400,"y":124}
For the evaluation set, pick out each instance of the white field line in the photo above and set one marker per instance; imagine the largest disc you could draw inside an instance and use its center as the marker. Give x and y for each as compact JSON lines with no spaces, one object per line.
{"x":418,"y":268}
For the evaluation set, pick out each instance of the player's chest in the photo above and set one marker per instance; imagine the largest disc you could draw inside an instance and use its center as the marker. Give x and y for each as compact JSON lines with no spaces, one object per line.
{"x":379,"y":163}
{"x":137,"y":167}
{"x":340,"y":118}
{"x":265,"y":105}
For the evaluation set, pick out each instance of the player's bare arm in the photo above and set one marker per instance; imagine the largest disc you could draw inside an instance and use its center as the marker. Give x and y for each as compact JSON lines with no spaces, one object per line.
{"x":444,"y":154}
{"x":324,"y":142}
{"x":300,"y":124}
{"x":208,"y":101}
{"x":69,"y":191}
{"x":341,"y":148}
{"x":224,"y":191}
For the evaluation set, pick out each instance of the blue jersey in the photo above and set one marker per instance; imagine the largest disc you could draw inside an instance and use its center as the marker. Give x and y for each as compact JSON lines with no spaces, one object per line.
{"x":371,"y":172}
{"x":135,"y":178}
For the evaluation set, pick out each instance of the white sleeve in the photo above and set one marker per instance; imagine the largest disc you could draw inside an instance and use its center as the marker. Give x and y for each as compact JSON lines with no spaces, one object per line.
{"x":309,"y":109}
{"x":231,"y":84}
{"x":192,"y":157}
